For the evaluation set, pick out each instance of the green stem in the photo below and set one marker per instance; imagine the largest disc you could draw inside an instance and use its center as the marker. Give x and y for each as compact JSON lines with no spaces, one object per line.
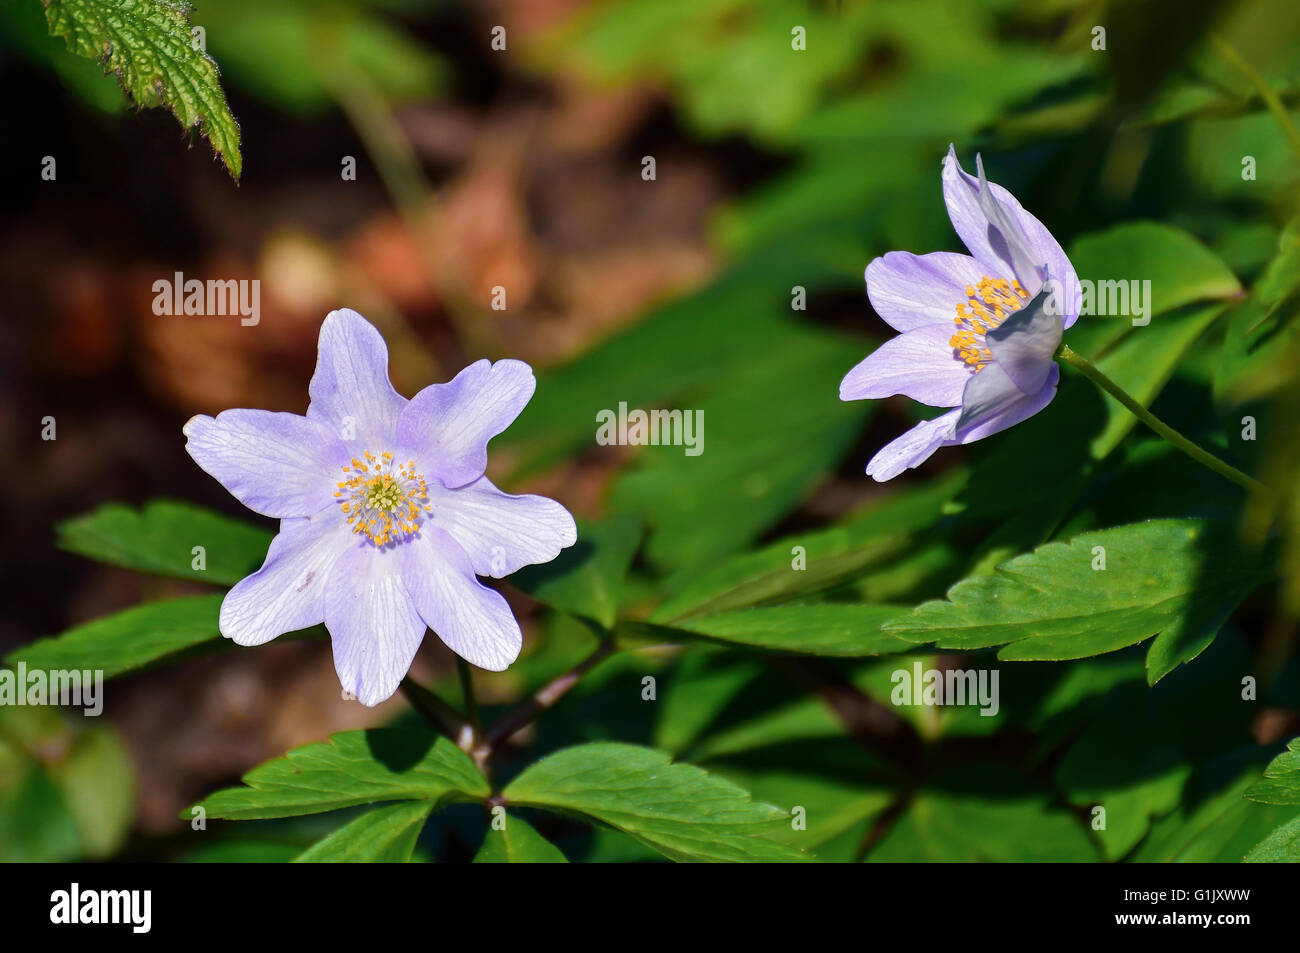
{"x":1271,"y":98}
{"x":467,"y":689}
{"x":1203,"y":457}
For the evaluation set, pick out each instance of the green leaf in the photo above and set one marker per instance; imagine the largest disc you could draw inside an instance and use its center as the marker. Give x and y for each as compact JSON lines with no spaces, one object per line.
{"x":811,"y":562}
{"x":148,"y":46}
{"x":1281,"y":781}
{"x":353,"y":767}
{"x":983,"y":813}
{"x":1214,"y":823}
{"x":834,"y":629}
{"x":586,"y":579}
{"x":517,"y":843}
{"x":160,"y":539}
{"x":127,"y":640}
{"x":1052,"y":604}
{"x":706,"y":506}
{"x":1181,"y":270}
{"x":678,"y":809}
{"x":1280,"y":847}
{"x":385,"y":835}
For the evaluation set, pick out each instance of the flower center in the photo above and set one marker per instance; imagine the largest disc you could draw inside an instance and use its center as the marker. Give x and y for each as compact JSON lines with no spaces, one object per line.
{"x":382,"y":499}
{"x":987,"y":305}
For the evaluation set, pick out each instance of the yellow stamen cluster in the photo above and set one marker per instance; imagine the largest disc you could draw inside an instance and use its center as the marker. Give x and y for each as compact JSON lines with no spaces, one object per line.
{"x":987,"y":305}
{"x":382,"y":499}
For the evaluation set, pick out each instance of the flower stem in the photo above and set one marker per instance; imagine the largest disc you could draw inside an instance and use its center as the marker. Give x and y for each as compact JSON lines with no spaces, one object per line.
{"x":467,"y":689}
{"x":1203,"y":457}
{"x":445,"y":718}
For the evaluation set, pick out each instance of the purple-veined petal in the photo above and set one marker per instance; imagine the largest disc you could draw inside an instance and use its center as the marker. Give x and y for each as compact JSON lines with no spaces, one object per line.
{"x":499,"y":532}
{"x":350,"y":390}
{"x":448,"y":426}
{"x":276,"y":464}
{"x":961,"y":194}
{"x":910,"y":291}
{"x":993,"y":403}
{"x":918,"y":364}
{"x":373,"y":625}
{"x":474,"y":621}
{"x":1023,"y":344}
{"x":913,"y":448}
{"x":288,"y":592}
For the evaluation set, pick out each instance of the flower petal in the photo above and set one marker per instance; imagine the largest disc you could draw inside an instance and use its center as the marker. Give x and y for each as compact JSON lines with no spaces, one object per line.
{"x":1023,"y":344}
{"x":449,"y":425}
{"x":500,"y":532}
{"x":288,"y":592}
{"x":987,"y":241}
{"x":913,"y":448}
{"x":374,"y":628}
{"x":993,"y":402}
{"x":910,"y":291}
{"x":350,"y":391}
{"x":276,"y":464}
{"x":918,"y":364}
{"x":474,"y":621}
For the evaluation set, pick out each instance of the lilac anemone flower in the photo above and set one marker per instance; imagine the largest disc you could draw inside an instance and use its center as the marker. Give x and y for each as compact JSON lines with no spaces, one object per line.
{"x":386,"y":518}
{"x":977,"y":332}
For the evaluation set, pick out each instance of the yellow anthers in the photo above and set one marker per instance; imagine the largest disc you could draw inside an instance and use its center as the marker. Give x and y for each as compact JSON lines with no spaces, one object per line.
{"x":990,"y":303}
{"x":382,"y":500}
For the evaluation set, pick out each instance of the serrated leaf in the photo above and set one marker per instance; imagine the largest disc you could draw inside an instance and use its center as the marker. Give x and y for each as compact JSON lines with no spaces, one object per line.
{"x":1281,"y":781}
{"x":517,"y":843}
{"x":586,"y":579}
{"x":1214,"y":823}
{"x":160,"y":538}
{"x":1282,"y":846}
{"x":127,"y":640}
{"x":844,"y":630}
{"x":353,"y":767}
{"x":1052,"y":604}
{"x":148,"y":46}
{"x":825,"y":558}
{"x":385,"y":835}
{"x":983,"y":813}
{"x":680,"y":810}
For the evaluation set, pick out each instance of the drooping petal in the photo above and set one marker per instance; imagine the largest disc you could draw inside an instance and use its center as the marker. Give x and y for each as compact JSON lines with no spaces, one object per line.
{"x":499,"y":532}
{"x":448,"y":426}
{"x":987,"y":241}
{"x":276,"y":464}
{"x":350,"y":390}
{"x":288,"y":592}
{"x":993,"y":402}
{"x":374,"y":628}
{"x":918,"y":364}
{"x":910,"y":291}
{"x":474,"y":621}
{"x":913,"y":448}
{"x":1023,"y":344}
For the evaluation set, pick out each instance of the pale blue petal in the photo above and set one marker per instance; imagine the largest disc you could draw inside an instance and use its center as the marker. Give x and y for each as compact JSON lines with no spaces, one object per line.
{"x":911,"y":291}
{"x":373,"y":625}
{"x":918,"y":364}
{"x":447,"y":426}
{"x":994,"y":403}
{"x":1024,"y":344}
{"x":276,"y":464}
{"x":499,"y":532}
{"x":350,"y":391}
{"x":288,"y":592}
{"x":961,"y":193}
{"x":474,"y":621}
{"x":913,"y":448}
